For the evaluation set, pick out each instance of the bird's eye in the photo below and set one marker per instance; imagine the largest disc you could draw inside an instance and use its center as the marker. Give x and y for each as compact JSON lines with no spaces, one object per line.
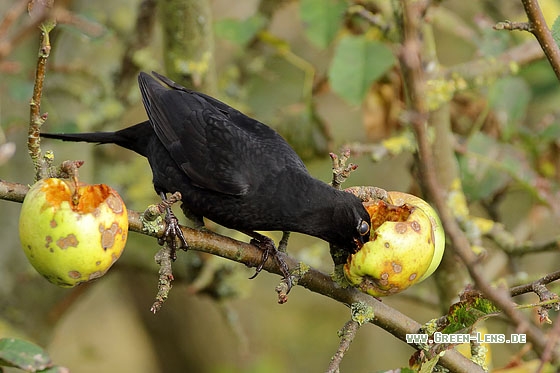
{"x":363,"y":228}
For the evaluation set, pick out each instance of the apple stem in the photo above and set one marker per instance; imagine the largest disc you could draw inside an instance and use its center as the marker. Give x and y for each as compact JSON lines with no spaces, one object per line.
{"x":69,"y":169}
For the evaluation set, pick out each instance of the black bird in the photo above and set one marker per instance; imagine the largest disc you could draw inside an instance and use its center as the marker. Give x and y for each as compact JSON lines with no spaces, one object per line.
{"x":233,"y":169}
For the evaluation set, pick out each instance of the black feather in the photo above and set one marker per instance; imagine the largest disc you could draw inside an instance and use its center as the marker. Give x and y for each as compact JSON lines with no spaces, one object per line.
{"x":231,"y":168}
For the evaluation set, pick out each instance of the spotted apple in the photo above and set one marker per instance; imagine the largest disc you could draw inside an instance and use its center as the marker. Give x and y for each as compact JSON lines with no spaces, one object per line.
{"x":72,"y":233}
{"x":406,"y":245}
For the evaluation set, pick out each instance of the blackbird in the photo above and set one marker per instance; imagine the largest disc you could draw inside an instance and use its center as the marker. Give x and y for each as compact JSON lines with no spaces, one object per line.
{"x":233,"y":169}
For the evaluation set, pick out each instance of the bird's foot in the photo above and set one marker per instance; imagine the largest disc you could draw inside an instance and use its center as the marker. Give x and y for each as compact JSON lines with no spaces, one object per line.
{"x":173,"y":232}
{"x":267,"y":246}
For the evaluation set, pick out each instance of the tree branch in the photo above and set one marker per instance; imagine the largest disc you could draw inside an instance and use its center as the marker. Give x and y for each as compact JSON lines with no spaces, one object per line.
{"x":36,"y":119}
{"x":7,"y":43}
{"x":509,"y":25}
{"x":386,"y":317}
{"x":347,"y":334}
{"x":189,"y":43}
{"x":12,"y":191}
{"x":411,"y":64}
{"x":527,"y":288}
{"x":141,"y":37}
{"x":499,"y":65}
{"x":539,"y":28}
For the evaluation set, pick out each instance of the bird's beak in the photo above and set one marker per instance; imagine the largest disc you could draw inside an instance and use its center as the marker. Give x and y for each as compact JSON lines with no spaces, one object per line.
{"x":364,"y":239}
{"x":361,"y":240}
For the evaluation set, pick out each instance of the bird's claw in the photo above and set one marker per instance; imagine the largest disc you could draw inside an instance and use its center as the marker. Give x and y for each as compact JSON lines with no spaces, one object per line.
{"x":172,"y":231}
{"x":267,"y":247}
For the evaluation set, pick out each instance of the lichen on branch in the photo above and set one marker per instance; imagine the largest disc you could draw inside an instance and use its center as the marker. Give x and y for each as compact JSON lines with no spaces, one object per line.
{"x":36,"y":119}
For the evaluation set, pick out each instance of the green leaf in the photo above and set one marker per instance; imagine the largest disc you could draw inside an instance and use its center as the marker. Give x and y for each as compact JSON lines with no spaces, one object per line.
{"x":509,"y":98}
{"x":492,"y":43}
{"x":240,"y":31}
{"x":464,"y":314}
{"x":357,"y":63}
{"x":549,"y":134}
{"x":22,"y":354}
{"x":322,"y":20}
{"x":429,"y":365}
{"x":556,"y":30}
{"x":481,"y":174}
{"x":488,"y":166}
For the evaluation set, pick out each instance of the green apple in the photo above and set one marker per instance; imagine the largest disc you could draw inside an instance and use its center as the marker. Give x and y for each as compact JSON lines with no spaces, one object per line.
{"x":406,"y":246}
{"x":72,"y":234}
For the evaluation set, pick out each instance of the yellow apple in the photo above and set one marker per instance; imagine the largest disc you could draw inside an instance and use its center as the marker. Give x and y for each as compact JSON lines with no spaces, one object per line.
{"x":406,"y":246}
{"x":72,"y":234}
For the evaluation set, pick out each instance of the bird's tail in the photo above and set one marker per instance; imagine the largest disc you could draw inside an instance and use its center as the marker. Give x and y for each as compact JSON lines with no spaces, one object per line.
{"x":94,"y":137}
{"x":134,"y":138}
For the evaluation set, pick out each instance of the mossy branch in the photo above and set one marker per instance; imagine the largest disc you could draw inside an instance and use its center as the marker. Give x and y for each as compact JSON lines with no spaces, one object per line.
{"x":411,"y":62}
{"x":538,"y":27}
{"x":316,"y":281}
{"x":36,"y":119}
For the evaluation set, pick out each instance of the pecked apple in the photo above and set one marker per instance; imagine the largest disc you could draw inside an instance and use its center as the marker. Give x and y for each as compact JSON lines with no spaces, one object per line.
{"x":72,"y":233}
{"x":406,"y":245}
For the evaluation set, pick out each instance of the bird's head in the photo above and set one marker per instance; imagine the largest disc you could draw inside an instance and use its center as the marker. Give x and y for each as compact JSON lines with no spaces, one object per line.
{"x":351,"y":227}
{"x":362,"y":229}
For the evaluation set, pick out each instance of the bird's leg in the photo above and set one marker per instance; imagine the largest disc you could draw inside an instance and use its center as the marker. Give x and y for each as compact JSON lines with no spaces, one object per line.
{"x":285,"y":286}
{"x":267,"y":246}
{"x":172,"y":229}
{"x":283,"y":245}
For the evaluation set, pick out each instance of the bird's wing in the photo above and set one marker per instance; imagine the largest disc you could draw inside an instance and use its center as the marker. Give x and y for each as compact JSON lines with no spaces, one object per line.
{"x":256,"y":129}
{"x":214,"y":151}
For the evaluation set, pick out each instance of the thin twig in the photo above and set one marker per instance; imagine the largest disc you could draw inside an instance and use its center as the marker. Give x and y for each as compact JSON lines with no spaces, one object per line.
{"x":510,"y":26}
{"x":527,"y":288}
{"x":11,"y":15}
{"x":373,"y":19}
{"x":347,"y":334}
{"x":36,"y":119}
{"x":499,"y":65}
{"x":340,"y":170}
{"x":66,"y":17}
{"x":411,"y":64}
{"x":550,"y":346}
{"x":541,"y":31}
{"x":507,"y":242}
{"x":8,"y":44}
{"x":13,"y":191}
{"x":163,"y":259}
{"x":40,"y":15}
{"x":386,"y":317}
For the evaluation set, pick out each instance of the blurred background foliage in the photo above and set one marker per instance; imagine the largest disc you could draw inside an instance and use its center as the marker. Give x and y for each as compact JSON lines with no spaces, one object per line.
{"x":324,"y":74}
